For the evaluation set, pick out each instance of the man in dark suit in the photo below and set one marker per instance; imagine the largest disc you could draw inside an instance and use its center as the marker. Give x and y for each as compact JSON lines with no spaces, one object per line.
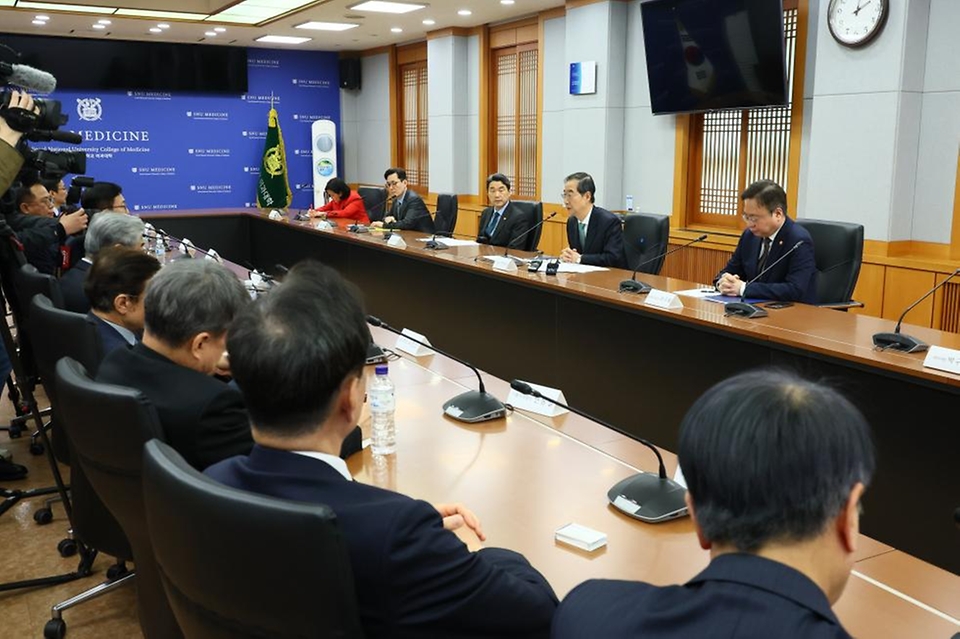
{"x":768,"y":236}
{"x":775,"y":467}
{"x":501,"y":223}
{"x":187,"y":309}
{"x":305,"y":389}
{"x":594,"y":235}
{"x":408,"y":212}
{"x":106,"y":229}
{"x":115,"y":287}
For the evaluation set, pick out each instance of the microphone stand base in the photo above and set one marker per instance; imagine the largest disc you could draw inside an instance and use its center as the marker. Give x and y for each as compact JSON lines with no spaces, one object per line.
{"x":474,"y":406}
{"x":899,"y":342}
{"x":648,"y":498}
{"x":434,"y":245}
{"x":749,"y":311}
{"x":633,"y":286}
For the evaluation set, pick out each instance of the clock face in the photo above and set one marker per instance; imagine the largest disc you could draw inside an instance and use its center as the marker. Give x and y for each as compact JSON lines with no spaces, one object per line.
{"x":855,"y":22}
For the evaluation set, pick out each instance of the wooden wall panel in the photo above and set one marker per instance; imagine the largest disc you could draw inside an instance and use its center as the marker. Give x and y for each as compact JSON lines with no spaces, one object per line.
{"x":948,"y":314}
{"x":869,"y":290}
{"x":695,"y":264}
{"x":901,"y":288}
{"x":553,"y":238}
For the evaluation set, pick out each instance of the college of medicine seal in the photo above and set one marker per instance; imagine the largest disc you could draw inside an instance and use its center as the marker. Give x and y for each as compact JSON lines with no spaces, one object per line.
{"x":272,"y":162}
{"x":89,"y":109}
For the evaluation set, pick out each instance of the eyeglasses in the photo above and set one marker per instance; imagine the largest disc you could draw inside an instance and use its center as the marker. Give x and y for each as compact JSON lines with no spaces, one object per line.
{"x":392,"y":183}
{"x":566,"y":195}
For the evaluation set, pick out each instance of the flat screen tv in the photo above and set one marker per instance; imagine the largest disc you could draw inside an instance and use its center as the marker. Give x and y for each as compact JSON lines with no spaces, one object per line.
{"x":120,"y":65}
{"x":705,"y":55}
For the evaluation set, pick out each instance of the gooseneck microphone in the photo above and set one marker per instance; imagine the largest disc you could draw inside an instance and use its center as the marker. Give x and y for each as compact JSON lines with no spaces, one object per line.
{"x":471,"y":406}
{"x":633,"y":286}
{"x":28,"y":78}
{"x":896,"y":340}
{"x":750,"y":311}
{"x":160,"y":234}
{"x":648,"y":497}
{"x":389,"y":232}
{"x":513,"y":242}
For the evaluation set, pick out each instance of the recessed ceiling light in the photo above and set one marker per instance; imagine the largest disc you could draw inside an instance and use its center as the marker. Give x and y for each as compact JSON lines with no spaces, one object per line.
{"x":168,"y":15}
{"x":156,"y":30}
{"x":278,"y":39}
{"x":53,"y":6}
{"x":41,"y":18}
{"x":386,"y":7}
{"x":40,"y":23}
{"x":104,"y":22}
{"x":220,"y":29}
{"x":210,"y":34}
{"x":429,"y":22}
{"x":99,"y":26}
{"x":464,"y":12}
{"x":327,"y":26}
{"x":506,"y":1}
{"x":163,"y":25}
{"x":396,"y":30}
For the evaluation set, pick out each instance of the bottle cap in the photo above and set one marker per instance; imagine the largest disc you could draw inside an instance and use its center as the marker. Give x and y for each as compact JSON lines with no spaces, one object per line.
{"x":381,"y":369}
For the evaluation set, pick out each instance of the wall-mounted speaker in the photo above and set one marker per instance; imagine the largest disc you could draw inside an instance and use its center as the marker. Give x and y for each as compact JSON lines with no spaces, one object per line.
{"x":350,"y":73}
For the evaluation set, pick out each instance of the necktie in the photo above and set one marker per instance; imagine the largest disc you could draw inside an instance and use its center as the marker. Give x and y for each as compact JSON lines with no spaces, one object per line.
{"x":583,"y":235}
{"x":492,"y":226}
{"x":764,"y":254}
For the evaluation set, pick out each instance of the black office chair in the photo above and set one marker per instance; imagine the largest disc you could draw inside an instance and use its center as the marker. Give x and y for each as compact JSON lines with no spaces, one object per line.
{"x":446,"y":218}
{"x":644,"y":237}
{"x":534,"y":213}
{"x":238,"y":565}
{"x":375,"y":201}
{"x":838,"y":253}
{"x":108,"y":426}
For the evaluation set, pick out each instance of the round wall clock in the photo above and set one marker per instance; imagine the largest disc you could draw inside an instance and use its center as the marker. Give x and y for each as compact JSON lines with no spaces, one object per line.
{"x":854,"y":23}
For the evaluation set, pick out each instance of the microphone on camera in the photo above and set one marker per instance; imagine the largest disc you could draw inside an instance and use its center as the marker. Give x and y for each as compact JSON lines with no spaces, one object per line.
{"x":28,"y":78}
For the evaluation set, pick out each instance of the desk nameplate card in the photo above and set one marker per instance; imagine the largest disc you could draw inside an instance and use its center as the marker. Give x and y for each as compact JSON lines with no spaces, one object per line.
{"x":411,"y":347}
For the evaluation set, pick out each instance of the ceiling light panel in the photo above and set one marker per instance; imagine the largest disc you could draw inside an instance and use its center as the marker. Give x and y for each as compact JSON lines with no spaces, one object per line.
{"x":277,"y":39}
{"x":379,"y":6}
{"x":166,"y":15}
{"x":72,"y":8}
{"x":327,"y":26}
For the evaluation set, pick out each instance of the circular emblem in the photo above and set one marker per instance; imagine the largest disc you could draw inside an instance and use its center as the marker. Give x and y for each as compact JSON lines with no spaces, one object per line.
{"x":325,"y":143}
{"x":89,"y":109}
{"x":272,"y":161}
{"x":325,"y":168}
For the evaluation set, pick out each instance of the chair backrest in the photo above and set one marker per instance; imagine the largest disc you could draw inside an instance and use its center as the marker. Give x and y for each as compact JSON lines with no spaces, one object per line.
{"x":645,"y":236}
{"x":108,"y":426}
{"x":446,"y":218}
{"x":838,"y":253}
{"x":534,"y":213}
{"x":63,"y":334}
{"x":29,"y":282}
{"x":374,"y":200}
{"x":236,"y":564}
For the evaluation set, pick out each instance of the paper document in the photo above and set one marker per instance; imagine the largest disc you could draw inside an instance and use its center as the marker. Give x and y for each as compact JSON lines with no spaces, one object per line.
{"x":698,"y":292}
{"x":449,"y":241}
{"x":568,"y":267}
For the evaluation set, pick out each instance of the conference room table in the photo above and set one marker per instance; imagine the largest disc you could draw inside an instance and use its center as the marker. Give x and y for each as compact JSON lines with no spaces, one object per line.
{"x":637,"y":366}
{"x":526,"y":475}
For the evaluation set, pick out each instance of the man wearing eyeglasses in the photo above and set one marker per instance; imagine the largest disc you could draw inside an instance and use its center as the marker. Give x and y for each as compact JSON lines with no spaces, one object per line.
{"x":408,"y":212}
{"x":594,"y":235}
{"x":770,"y":233}
{"x":41,"y":233}
{"x":104,"y":196}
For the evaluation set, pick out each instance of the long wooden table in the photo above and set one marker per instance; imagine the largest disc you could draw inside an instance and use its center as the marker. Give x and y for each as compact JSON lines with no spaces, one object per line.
{"x":516,"y":473}
{"x":641,"y":367}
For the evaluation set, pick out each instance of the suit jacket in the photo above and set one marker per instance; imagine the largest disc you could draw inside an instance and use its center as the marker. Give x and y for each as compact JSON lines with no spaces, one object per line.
{"x":71,"y":285}
{"x":352,"y":208}
{"x":412,"y":577}
{"x":737,"y":596}
{"x":513,"y":223}
{"x":110,"y":338}
{"x":203,"y":418}
{"x":412,"y":215}
{"x":793,"y":279}
{"x":41,"y":240}
{"x":604,"y":241}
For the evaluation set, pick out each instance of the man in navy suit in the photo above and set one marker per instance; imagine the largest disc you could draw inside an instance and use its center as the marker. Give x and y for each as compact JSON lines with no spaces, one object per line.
{"x":595,"y":235}
{"x":501,"y":223}
{"x":775,"y":467}
{"x":115,"y":285}
{"x":304,"y":390}
{"x":408,"y":212}
{"x":106,"y":229}
{"x":768,"y":236}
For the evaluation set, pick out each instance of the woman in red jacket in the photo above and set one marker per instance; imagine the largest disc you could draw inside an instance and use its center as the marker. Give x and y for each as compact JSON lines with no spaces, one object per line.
{"x":343,"y":203}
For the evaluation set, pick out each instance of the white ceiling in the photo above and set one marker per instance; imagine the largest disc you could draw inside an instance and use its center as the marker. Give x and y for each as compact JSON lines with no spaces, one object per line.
{"x":374,"y":30}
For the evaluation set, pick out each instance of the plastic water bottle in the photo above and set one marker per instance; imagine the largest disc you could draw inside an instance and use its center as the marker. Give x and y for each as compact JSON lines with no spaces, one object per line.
{"x":382,"y":408}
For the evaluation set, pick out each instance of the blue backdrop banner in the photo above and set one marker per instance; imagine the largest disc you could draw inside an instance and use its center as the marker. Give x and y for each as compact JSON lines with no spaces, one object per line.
{"x":194,"y":151}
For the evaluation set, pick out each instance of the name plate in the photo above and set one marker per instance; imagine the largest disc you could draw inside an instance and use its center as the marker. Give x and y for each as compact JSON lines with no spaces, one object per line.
{"x":943,"y":359}
{"x":396,"y":241}
{"x":323,"y":225}
{"x":505,"y":264}
{"x":276,"y":215}
{"x":536,"y":404}
{"x":187,"y":246}
{"x":213,"y":255}
{"x":407,"y":345}
{"x":663,"y":299}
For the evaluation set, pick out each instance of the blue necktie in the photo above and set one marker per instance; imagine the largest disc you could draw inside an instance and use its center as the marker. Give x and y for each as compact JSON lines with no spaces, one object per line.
{"x":492,"y":226}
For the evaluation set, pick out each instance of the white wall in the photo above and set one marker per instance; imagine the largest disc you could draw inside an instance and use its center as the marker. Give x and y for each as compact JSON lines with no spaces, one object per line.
{"x":453,"y":71}
{"x":555,"y":83}
{"x":365,"y":123}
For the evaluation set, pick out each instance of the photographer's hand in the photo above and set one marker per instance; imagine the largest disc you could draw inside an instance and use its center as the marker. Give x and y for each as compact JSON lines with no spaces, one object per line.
{"x":18,"y":100}
{"x":74,"y":222}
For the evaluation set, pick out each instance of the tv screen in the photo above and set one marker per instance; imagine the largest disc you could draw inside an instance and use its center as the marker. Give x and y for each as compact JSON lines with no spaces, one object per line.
{"x":121,"y":65}
{"x":704,"y":55}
